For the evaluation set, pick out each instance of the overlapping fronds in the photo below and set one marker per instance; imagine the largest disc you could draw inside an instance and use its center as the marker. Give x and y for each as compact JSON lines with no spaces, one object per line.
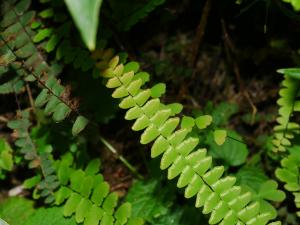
{"x":288,"y":104}
{"x":289,"y":174}
{"x":83,"y":193}
{"x":20,"y":58}
{"x":20,"y":55}
{"x":54,"y":33}
{"x":227,"y":203}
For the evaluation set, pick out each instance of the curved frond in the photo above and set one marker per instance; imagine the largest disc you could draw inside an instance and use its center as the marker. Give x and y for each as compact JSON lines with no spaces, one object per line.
{"x":289,"y":174}
{"x":218,"y":195}
{"x":288,"y":104}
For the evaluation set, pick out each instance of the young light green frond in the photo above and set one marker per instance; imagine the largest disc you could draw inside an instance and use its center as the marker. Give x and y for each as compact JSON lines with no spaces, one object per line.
{"x":217,"y":194}
{"x":86,"y":196}
{"x":289,"y":174}
{"x":288,"y":104}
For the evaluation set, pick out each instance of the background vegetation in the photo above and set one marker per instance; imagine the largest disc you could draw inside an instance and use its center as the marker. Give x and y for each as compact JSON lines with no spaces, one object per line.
{"x":208,"y":71}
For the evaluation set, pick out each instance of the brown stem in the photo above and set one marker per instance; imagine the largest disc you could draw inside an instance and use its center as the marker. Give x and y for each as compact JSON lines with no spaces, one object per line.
{"x":230,"y":53}
{"x":29,"y":93}
{"x":199,"y":33}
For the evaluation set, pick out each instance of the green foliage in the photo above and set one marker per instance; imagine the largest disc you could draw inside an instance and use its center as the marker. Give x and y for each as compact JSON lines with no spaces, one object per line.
{"x":58,"y":106}
{"x":220,"y":136}
{"x":288,"y":104}
{"x":54,"y":34}
{"x":49,"y":216}
{"x":45,"y":186}
{"x":76,"y":189}
{"x":16,"y":209}
{"x":128,"y":13}
{"x":6,"y":158}
{"x":233,"y":152}
{"x":155,"y":202}
{"x":294,"y":3}
{"x":18,"y":52}
{"x":149,"y":200}
{"x":24,"y":142}
{"x":31,"y":44}
{"x":226,"y":202}
{"x":86,"y":16}
{"x":203,"y":121}
{"x":252,"y":177}
{"x":289,"y":174}
{"x":86,"y":195}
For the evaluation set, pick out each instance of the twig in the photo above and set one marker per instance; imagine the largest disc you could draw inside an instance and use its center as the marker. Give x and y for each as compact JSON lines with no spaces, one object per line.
{"x":230,"y":52}
{"x":121,"y":158}
{"x":30,"y":97}
{"x":199,"y":33}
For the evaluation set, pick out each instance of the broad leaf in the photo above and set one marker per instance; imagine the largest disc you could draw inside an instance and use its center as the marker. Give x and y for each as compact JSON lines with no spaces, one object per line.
{"x":86,"y":16}
{"x":233,"y":152}
{"x":16,"y":209}
{"x":149,"y":200}
{"x":49,"y":216}
{"x":268,"y":191}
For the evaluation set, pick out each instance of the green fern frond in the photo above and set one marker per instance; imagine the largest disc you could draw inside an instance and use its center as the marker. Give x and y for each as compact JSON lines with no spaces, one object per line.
{"x":23,"y":141}
{"x":49,"y":216}
{"x":83,"y":193}
{"x":288,"y":104}
{"x":289,"y":174}
{"x":86,"y":195}
{"x":57,"y":38}
{"x":18,"y":52}
{"x":128,"y":13}
{"x":227,"y":203}
{"x":55,"y":100}
{"x":44,"y":187}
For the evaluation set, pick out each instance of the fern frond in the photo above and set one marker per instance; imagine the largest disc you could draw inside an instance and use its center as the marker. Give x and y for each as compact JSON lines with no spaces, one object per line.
{"x":44,"y":187}
{"x":86,"y":195}
{"x":288,"y":104}
{"x":128,"y":13}
{"x":23,"y":141}
{"x":18,"y":52}
{"x":226,"y":202}
{"x":82,"y":192}
{"x":55,"y":100}
{"x":54,"y":34}
{"x":289,"y":174}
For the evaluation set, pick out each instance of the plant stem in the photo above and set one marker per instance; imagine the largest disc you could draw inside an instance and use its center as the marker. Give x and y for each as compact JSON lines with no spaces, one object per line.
{"x":121,"y":158}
